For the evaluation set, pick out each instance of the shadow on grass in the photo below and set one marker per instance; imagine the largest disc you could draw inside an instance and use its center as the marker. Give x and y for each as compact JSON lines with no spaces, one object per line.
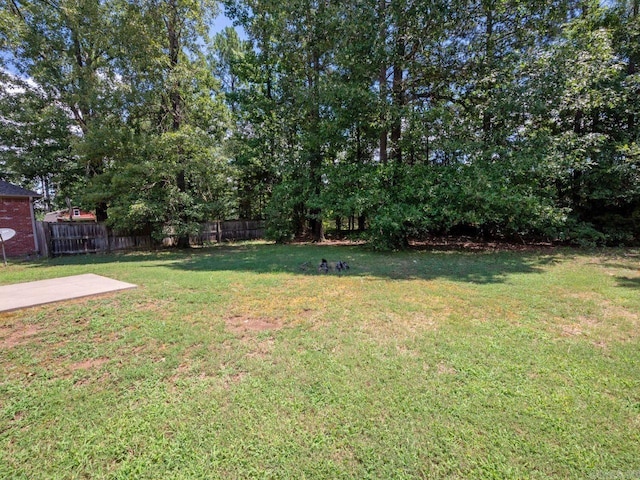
{"x":117,"y":257}
{"x":627,"y":282}
{"x":481,"y":267}
{"x":619,"y":266}
{"x":473,"y":267}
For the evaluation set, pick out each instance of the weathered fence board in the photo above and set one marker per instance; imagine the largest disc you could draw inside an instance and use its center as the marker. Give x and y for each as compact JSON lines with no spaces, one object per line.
{"x":70,"y":238}
{"x":213,"y":232}
{"x":129,"y":242}
{"x":65,"y":238}
{"x":241,"y":230}
{"x":43,"y":235}
{"x":209,"y":233}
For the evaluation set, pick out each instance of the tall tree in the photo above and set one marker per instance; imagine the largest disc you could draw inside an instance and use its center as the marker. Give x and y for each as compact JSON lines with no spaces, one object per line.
{"x":36,"y":139}
{"x":65,"y":49}
{"x":251,"y":149}
{"x":172,"y":123}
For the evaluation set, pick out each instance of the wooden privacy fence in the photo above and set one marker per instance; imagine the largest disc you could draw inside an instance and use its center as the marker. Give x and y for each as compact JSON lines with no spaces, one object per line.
{"x":229,"y":230}
{"x":65,"y":238}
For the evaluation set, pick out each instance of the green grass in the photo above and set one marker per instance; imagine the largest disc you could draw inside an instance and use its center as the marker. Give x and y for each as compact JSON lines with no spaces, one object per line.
{"x":238,"y":362}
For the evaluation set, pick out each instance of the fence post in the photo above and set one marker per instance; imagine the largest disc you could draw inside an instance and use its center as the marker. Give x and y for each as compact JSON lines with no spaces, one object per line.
{"x":104,"y":231}
{"x":48,"y":239}
{"x":43,"y":242}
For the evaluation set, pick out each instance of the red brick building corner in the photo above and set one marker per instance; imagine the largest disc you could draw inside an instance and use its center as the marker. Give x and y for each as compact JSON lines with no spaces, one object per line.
{"x":16,"y":213}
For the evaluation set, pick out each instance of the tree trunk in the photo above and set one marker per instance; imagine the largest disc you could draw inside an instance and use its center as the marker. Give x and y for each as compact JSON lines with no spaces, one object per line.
{"x":299,"y":219}
{"x":176,"y":105}
{"x":632,"y":68}
{"x":487,"y":120}
{"x":576,"y":176}
{"x":315,"y":163}
{"x":46,"y":190}
{"x":398,"y":95}
{"x":362,"y":219}
{"x":315,"y":226}
{"x":382,"y":80}
{"x":101,"y":212}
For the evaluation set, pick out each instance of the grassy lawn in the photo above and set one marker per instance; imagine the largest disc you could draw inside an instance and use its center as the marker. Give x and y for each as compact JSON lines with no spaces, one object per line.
{"x":239,"y":362}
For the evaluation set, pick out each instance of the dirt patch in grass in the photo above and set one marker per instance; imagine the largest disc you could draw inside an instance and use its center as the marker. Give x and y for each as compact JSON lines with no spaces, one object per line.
{"x":571,"y":330}
{"x":601,"y":330}
{"x":611,"y":310}
{"x":394,"y":326}
{"x":14,"y":335}
{"x":596,"y":317}
{"x":330,"y":241}
{"x":444,"y":369}
{"x":233,"y":379}
{"x":242,"y":324}
{"x":478,"y":245}
{"x":185,"y":371}
{"x":88,"y":364}
{"x":261,"y":349}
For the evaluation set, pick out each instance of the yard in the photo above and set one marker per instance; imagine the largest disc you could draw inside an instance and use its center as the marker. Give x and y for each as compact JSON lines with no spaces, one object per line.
{"x":241,"y":361}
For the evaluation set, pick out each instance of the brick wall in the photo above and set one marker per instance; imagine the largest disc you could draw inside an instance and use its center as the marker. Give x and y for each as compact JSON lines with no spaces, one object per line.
{"x":15,"y":213}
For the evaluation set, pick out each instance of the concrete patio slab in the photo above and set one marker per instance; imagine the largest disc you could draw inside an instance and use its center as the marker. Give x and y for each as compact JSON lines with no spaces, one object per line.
{"x":31,"y":294}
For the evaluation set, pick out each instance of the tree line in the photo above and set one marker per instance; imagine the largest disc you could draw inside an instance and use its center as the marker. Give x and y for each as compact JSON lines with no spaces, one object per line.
{"x":404,"y":118}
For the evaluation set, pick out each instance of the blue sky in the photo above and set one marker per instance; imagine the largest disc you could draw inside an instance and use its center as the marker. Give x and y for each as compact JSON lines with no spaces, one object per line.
{"x":219,"y":23}
{"x":222,"y":21}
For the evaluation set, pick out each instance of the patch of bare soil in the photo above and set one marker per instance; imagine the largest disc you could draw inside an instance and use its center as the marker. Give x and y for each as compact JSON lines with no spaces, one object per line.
{"x":88,"y":364}
{"x":571,"y":330}
{"x":232,"y":380}
{"x":613,"y":323}
{"x":444,"y":369}
{"x":241,"y":324}
{"x":329,"y":239}
{"x":475,"y":244}
{"x":14,"y":335}
{"x":261,"y":349}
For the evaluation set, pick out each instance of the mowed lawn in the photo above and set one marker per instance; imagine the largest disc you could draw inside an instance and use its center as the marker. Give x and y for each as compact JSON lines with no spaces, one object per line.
{"x":241,"y":361}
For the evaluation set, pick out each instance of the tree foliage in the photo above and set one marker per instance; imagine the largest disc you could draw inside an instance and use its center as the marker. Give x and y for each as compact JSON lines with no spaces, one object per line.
{"x":487,"y":117}
{"x":405,"y":118}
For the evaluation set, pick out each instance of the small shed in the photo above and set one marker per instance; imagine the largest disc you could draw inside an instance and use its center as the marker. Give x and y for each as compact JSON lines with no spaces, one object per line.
{"x":16,"y":213}
{"x":74,"y":214}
